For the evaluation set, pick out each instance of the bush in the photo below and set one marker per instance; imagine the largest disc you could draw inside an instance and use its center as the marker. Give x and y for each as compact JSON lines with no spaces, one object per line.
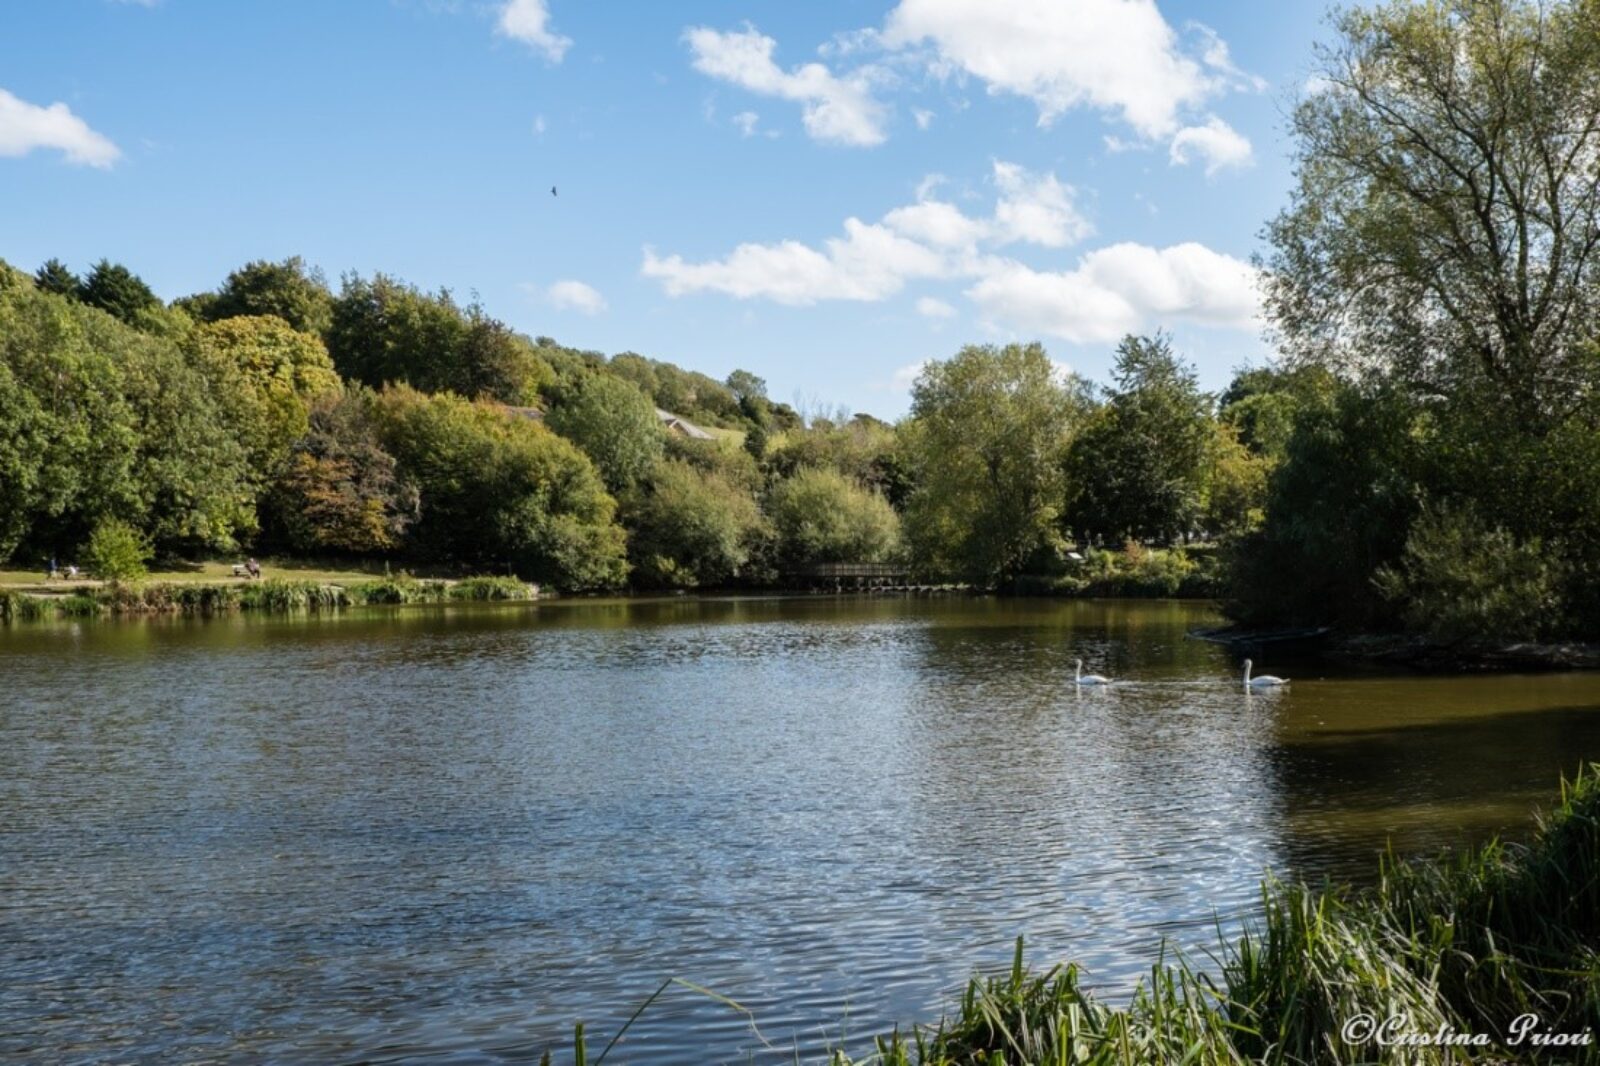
{"x":821,"y":516}
{"x":491,"y":588}
{"x":1460,"y":580}
{"x":116,"y":551}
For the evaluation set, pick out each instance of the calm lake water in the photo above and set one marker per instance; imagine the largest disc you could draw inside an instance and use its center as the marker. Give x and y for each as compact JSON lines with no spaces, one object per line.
{"x":447,"y":833}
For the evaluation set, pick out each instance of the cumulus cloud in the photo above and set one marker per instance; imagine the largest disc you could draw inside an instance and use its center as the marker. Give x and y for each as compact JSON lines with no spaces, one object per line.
{"x":746,"y":121}
{"x":528,"y":21}
{"x":923,"y":117}
{"x":25,"y":127}
{"x":572,"y":295}
{"x":1117,"y":289}
{"x":1218,"y":144}
{"x":1118,"y":56}
{"x":834,"y":109}
{"x":1036,"y":208}
{"x":872,"y":261}
{"x":1120,"y":289}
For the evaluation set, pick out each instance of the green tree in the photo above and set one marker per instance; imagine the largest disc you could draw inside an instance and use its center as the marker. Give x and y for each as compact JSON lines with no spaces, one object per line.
{"x":821,"y":516}
{"x":499,"y":490}
{"x":616,"y":426}
{"x":1139,"y":468}
{"x":1446,"y":222}
{"x":54,"y":277}
{"x":691,"y":527}
{"x":986,"y":441}
{"x":116,"y":551}
{"x":1338,"y":509}
{"x":289,"y":290}
{"x":103,"y":420}
{"x":265,"y":375}
{"x":117,"y":290}
{"x":340,"y":491}
{"x":386,"y":332}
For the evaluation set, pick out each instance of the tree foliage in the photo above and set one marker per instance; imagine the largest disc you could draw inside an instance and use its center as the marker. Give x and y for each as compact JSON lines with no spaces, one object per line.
{"x":265,"y":375}
{"x":118,"y":291}
{"x":821,"y":516}
{"x":692,"y":527}
{"x":988,"y":433}
{"x":1138,"y":469}
{"x":501,"y":491}
{"x":387,"y":332}
{"x":339,"y":491}
{"x":289,"y":290}
{"x":614,"y":423}
{"x":1446,"y":222}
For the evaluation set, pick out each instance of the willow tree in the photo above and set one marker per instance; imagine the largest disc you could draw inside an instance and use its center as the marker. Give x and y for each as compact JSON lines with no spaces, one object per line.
{"x":1445,"y":228}
{"x":986,"y":444}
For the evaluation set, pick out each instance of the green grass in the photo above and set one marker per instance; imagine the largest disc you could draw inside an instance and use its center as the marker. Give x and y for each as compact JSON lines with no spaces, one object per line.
{"x":276,"y":595}
{"x":1463,"y":943}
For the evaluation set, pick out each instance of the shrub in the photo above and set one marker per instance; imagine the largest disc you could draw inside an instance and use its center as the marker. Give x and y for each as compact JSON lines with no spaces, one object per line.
{"x":491,"y":588}
{"x":1458,"y":579}
{"x":116,"y":551}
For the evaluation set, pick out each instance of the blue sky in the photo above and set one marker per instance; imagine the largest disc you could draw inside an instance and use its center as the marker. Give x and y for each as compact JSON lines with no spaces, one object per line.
{"x":825,"y":193}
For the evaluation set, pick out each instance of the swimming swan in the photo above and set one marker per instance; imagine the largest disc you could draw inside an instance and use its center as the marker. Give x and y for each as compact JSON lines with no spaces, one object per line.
{"x":1081,"y":678}
{"x":1264,"y":681}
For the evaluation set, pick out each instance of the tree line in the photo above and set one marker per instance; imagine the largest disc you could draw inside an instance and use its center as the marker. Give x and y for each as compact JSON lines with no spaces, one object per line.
{"x":380,"y":420}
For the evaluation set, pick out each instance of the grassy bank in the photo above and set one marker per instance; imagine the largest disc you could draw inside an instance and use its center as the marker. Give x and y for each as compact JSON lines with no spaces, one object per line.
{"x":273,"y":594}
{"x":1461,"y":947}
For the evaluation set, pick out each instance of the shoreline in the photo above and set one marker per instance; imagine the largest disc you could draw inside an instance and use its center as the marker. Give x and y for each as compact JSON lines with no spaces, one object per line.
{"x":1420,"y":653}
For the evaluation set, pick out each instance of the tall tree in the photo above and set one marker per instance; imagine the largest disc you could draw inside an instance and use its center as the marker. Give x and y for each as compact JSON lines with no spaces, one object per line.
{"x":986,"y":441}
{"x":289,"y":290}
{"x":114,"y":288}
{"x":1139,"y":469}
{"x":616,"y":426}
{"x":54,"y":277}
{"x":1446,"y":222}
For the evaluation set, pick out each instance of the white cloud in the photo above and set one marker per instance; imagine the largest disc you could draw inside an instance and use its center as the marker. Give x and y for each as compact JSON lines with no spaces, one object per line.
{"x":869,"y":263}
{"x":1120,"y":289}
{"x":1215,"y":54}
{"x":1036,"y":208}
{"x":1111,"y":291}
{"x":528,"y":21}
{"x":938,"y":223}
{"x":571,"y":295}
{"x":906,"y":376}
{"x":25,"y":127}
{"x":1219,"y":144}
{"x":1033,"y":208}
{"x":539,"y":125}
{"x":834,"y":109}
{"x":923,"y":117}
{"x":1118,"y":56}
{"x":746,"y":121}
{"x":872,"y":261}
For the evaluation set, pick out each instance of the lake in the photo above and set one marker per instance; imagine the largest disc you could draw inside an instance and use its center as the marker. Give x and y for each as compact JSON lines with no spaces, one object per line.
{"x":448,"y":833}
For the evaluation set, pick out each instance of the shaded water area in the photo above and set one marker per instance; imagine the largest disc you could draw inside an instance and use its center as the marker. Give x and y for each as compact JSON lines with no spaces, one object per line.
{"x":450,"y":832}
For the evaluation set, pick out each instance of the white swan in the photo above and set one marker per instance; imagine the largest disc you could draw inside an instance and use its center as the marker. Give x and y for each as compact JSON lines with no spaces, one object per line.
{"x":1264,"y":681}
{"x":1081,"y":678}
